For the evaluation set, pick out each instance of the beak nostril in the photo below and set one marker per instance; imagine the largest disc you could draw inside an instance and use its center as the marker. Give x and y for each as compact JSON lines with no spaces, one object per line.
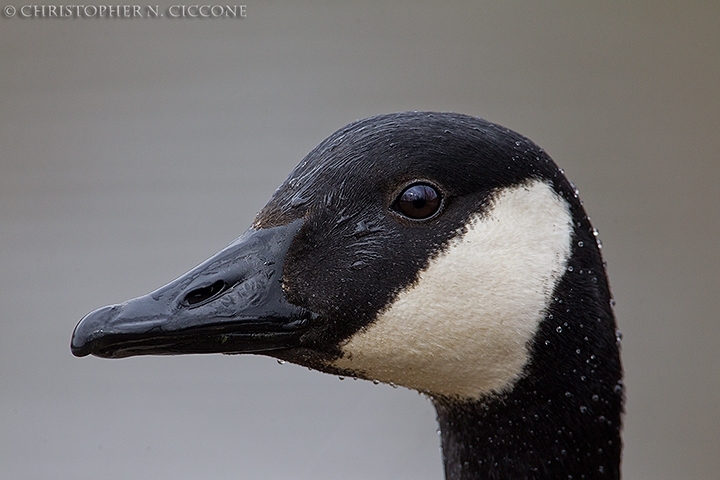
{"x":202,"y":294}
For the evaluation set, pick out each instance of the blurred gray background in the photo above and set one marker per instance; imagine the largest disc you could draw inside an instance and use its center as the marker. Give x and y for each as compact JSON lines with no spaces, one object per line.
{"x":132,"y":149}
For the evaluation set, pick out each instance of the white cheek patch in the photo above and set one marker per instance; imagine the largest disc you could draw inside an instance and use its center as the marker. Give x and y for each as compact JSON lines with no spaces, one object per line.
{"x":463,"y":329}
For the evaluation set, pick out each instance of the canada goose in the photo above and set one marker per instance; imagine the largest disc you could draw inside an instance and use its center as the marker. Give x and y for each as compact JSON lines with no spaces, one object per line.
{"x":435,"y":251}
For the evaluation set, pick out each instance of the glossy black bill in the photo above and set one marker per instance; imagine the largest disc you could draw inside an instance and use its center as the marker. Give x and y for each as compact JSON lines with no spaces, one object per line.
{"x":231,"y":303}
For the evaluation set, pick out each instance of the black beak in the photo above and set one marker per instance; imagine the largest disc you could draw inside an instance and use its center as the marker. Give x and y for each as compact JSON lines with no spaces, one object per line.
{"x":231,"y":303}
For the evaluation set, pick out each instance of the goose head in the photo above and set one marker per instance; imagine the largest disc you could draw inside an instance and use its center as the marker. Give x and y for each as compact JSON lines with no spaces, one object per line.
{"x":435,"y":251}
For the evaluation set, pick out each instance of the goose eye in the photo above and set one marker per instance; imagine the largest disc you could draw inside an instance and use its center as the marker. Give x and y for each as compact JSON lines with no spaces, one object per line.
{"x":419,"y":201}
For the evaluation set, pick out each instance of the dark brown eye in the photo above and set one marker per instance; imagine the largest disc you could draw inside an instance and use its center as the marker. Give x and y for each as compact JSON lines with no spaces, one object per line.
{"x":419,"y":201}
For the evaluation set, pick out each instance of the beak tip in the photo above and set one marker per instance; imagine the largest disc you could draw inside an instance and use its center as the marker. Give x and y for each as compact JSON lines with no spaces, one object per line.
{"x":80,"y":344}
{"x":87,"y":330}
{"x":79,"y":351}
